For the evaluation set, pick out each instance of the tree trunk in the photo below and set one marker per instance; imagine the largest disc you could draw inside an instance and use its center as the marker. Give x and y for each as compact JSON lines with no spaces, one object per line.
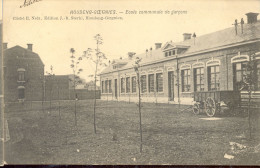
{"x":59,"y":100}
{"x":140,"y":114}
{"x":75,"y":103}
{"x":249,"y":114}
{"x":95,"y":102}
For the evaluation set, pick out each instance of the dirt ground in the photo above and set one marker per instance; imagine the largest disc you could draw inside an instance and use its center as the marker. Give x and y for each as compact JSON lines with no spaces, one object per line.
{"x":171,"y":135}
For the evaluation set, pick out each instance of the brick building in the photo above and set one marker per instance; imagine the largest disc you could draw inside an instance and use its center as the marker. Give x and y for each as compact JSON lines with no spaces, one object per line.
{"x":173,"y":71}
{"x":23,"y":74}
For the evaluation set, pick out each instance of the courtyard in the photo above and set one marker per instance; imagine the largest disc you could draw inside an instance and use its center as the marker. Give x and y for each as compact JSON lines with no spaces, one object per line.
{"x":172,"y":134}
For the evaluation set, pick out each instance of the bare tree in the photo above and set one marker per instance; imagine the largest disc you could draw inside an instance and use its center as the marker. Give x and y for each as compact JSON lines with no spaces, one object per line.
{"x":137,"y":70}
{"x":98,"y":59}
{"x":51,"y":76}
{"x":76,"y":79}
{"x":249,"y":84}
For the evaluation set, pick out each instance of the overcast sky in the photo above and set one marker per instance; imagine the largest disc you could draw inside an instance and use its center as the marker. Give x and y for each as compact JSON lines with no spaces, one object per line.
{"x":52,"y":40}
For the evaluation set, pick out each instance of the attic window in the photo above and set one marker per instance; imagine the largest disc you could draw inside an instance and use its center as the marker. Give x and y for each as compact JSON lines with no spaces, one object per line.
{"x":169,"y":53}
{"x":114,"y":67}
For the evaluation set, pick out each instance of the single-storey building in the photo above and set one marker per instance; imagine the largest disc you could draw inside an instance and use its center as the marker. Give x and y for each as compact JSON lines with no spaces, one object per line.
{"x":173,"y":71}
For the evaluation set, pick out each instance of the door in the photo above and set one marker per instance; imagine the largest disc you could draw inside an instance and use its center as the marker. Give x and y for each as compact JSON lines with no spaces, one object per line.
{"x":171,"y":85}
{"x":116,"y":88}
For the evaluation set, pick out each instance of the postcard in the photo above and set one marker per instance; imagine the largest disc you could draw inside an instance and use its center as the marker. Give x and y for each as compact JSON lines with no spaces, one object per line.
{"x":130,"y":82}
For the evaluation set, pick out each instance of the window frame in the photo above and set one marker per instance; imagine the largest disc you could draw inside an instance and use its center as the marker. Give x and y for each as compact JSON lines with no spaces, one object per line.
{"x":201,"y":76}
{"x":128,"y":84}
{"x":133,"y":84}
{"x":122,"y":82}
{"x":159,"y":88}
{"x":151,"y":89}
{"x":186,"y":76}
{"x":110,"y":86}
{"x":215,"y":73}
{"x":143,"y":83}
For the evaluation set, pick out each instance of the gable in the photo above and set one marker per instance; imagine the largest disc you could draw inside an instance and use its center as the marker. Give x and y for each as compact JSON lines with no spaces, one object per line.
{"x":167,"y":47}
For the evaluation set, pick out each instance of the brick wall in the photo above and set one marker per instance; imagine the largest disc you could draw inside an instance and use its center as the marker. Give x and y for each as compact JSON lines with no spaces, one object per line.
{"x":18,"y":57}
{"x":226,"y":73}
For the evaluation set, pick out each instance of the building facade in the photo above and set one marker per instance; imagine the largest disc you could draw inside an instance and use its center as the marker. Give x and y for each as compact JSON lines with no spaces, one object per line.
{"x":23,"y":74}
{"x":173,"y":71}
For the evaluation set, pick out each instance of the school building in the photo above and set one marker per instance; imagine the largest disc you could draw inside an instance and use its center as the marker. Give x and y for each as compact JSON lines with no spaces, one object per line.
{"x":173,"y":71}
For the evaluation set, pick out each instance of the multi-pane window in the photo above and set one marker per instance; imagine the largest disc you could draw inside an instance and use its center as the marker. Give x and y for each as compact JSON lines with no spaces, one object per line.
{"x":106,"y":86}
{"x":198,"y":79}
{"x":122,"y":85}
{"x":109,"y":86}
{"x":185,"y":80}
{"x":127,"y":84}
{"x":143,"y":83}
{"x":239,"y":70}
{"x":103,"y":87}
{"x":20,"y":75}
{"x":134,"y":84}
{"x":258,"y":75}
{"x":213,"y":77}
{"x":151,"y":83}
{"x":21,"y":94}
{"x":159,"y":82}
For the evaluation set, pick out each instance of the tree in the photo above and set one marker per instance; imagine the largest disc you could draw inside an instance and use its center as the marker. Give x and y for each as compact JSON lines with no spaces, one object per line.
{"x":137,"y":71}
{"x":98,"y":60}
{"x":51,"y":75}
{"x":249,"y":84}
{"x":75,"y":79}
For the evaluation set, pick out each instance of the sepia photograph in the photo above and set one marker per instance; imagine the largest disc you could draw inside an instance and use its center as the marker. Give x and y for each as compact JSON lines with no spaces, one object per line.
{"x":153,"y":82}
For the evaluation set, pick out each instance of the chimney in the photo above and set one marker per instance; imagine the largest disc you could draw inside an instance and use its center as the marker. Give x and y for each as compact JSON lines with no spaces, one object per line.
{"x":29,"y":47}
{"x":5,"y":45}
{"x":186,"y":36}
{"x":251,"y":17}
{"x":130,"y":55}
{"x":158,"y":45}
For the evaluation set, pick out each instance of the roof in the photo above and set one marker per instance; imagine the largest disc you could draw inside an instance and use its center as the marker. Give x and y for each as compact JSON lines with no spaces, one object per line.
{"x":18,"y":50}
{"x":204,"y":43}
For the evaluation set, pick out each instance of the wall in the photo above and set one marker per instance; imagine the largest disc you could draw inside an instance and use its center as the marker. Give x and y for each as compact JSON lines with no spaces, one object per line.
{"x":226,"y":75}
{"x":18,"y":57}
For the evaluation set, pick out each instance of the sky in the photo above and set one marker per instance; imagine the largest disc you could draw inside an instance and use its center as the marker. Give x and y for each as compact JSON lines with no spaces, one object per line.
{"x":53,"y":39}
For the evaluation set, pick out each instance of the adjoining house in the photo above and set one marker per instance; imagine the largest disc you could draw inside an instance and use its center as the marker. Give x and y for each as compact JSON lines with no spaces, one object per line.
{"x":24,"y":79}
{"x":23,"y":74}
{"x":173,"y":71}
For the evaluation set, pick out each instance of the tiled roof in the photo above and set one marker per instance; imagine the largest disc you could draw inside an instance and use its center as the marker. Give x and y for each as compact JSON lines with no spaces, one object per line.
{"x":211,"y":41}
